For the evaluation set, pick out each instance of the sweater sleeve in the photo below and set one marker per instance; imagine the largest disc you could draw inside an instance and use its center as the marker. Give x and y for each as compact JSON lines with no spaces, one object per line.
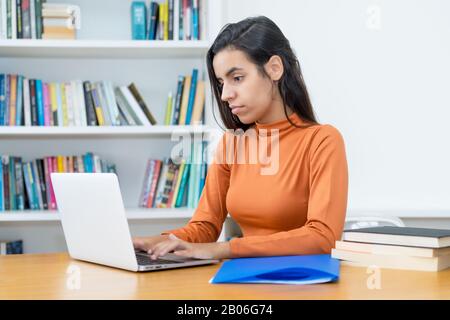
{"x":327,"y":204}
{"x":211,"y":212}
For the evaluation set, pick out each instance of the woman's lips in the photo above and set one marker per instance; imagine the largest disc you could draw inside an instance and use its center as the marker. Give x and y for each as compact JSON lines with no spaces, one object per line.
{"x":236,"y":110}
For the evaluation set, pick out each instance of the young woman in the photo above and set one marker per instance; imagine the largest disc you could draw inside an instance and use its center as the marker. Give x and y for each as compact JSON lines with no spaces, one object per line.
{"x":297,"y":207}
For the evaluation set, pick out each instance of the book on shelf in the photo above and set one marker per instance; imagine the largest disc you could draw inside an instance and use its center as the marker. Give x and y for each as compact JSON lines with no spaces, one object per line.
{"x":138,"y":20}
{"x":170,"y":183}
{"x":406,"y":248}
{"x":34,"y":102}
{"x":186,"y":107}
{"x":137,"y":96}
{"x":169,"y":20}
{"x":27,"y":185}
{"x":11,"y":247}
{"x":60,"y":21}
{"x":37,"y":19}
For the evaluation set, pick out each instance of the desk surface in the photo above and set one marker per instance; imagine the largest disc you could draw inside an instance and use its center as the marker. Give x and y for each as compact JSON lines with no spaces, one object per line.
{"x":53,"y":276}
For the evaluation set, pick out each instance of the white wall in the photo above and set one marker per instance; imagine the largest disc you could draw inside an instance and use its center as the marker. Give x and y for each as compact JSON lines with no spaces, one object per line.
{"x":379,"y":72}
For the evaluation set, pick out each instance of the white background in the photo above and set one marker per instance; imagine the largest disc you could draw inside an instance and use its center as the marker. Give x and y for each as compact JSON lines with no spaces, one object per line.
{"x":379,"y":72}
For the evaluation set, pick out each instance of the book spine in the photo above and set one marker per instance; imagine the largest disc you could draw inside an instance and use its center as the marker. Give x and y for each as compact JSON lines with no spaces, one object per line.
{"x":82,"y":103}
{"x":107,"y":116}
{"x":40,"y":103}
{"x":144,"y":190}
{"x":13,"y":19}
{"x":43,"y":185}
{"x":5,"y":164}
{"x":199,"y":103}
{"x":2,"y":192}
{"x":169,"y":107}
{"x":20,"y":202}
{"x":51,"y":169}
{"x":98,"y":109}
{"x":193,"y":90}
{"x":4,"y":20}
{"x":90,"y":109}
{"x":138,"y":20}
{"x":135,"y":106}
{"x":46,"y":104}
{"x":19,"y":101}
{"x":12,"y":183}
{"x":38,"y":11}
{"x":173,"y":185}
{"x":195,"y":20}
{"x":26,"y":22}
{"x":26,"y":102}
{"x":53,"y":103}
{"x":12,"y":100}
{"x":59,"y":99}
{"x":75,"y":104}
{"x":27,"y":184}
{"x":37,"y":184}
{"x":177,"y":113}
{"x":112,"y":102}
{"x":177,"y":184}
{"x":184,"y":180}
{"x":69,"y":104}
{"x":33,"y":184}
{"x":171,"y":18}
{"x":19,"y":19}
{"x":155,"y":179}
{"x":134,"y":91}
{"x":2,"y":98}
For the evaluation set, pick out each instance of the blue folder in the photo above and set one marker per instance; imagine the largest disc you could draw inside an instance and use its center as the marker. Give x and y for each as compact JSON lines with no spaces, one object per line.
{"x":305,"y":269}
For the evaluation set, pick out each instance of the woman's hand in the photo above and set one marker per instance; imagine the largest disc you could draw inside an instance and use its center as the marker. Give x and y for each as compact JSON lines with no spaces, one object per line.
{"x":213,"y":250}
{"x":147,"y":243}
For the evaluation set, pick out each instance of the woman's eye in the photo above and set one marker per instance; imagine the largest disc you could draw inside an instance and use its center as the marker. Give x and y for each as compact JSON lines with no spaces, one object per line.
{"x":238,"y":78}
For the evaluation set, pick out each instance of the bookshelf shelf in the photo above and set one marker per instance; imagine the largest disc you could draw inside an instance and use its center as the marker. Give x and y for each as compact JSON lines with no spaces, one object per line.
{"x":103,"y":131}
{"x":132,"y":214}
{"x":103,"y":52}
{"x":123,"y":49}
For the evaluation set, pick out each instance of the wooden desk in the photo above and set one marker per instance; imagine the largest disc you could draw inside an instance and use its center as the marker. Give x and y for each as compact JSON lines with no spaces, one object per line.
{"x":45,"y":276}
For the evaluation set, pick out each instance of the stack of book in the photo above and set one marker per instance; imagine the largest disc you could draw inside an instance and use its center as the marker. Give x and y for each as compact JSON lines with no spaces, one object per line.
{"x":21,"y":19}
{"x":27,"y":185}
{"x":34,"y":102}
{"x":422,"y":249}
{"x":187,"y":105}
{"x":11,"y":247}
{"x":175,"y":184}
{"x":168,"y":20}
{"x":60,"y":21}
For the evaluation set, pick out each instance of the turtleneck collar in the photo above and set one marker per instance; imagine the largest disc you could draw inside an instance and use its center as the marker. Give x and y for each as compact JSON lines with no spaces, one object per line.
{"x":280,"y":124}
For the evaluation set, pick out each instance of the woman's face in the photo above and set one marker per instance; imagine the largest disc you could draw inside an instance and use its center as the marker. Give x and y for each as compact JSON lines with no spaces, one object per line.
{"x":249,"y":95}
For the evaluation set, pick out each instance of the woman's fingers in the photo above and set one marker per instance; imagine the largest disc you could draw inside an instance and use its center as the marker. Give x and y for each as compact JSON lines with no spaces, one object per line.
{"x":140,"y":244}
{"x":167,"y":246}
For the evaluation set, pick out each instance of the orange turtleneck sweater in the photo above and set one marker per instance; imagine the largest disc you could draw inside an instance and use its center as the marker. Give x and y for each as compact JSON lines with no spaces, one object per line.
{"x":292,"y":202}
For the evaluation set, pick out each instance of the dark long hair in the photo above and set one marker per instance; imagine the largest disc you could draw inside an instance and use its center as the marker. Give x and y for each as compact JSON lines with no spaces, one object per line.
{"x":260,"y":39}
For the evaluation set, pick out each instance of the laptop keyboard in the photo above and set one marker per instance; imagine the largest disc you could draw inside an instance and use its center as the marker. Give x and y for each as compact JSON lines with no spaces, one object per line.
{"x":145,"y":260}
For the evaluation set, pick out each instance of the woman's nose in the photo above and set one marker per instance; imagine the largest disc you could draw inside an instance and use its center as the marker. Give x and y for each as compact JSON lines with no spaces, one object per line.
{"x":227,"y":93}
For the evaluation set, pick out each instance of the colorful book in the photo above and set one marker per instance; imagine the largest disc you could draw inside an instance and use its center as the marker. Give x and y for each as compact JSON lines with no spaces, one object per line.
{"x":138,"y":20}
{"x":192,"y":92}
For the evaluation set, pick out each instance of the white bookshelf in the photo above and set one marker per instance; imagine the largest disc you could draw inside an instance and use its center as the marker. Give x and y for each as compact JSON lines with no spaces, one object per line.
{"x":105,"y":131}
{"x":103,"y":51}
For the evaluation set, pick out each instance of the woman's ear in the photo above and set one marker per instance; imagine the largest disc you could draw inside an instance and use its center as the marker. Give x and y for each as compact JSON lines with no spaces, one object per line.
{"x":274,"y":68}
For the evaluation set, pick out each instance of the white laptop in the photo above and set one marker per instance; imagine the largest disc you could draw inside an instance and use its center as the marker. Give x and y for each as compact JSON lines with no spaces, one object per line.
{"x":95,"y":224}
